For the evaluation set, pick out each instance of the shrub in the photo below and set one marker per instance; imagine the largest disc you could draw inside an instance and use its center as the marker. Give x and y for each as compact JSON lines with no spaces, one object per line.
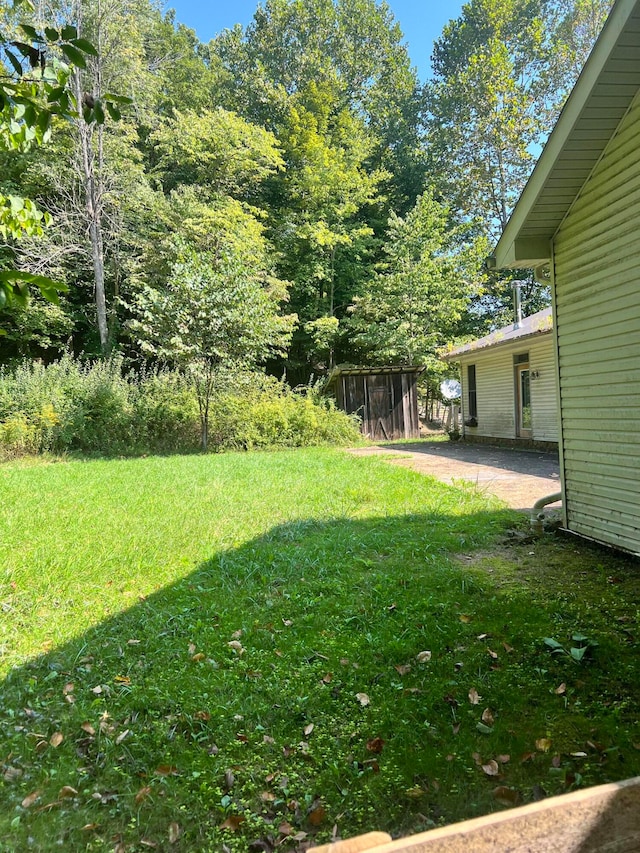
{"x":98,"y":408}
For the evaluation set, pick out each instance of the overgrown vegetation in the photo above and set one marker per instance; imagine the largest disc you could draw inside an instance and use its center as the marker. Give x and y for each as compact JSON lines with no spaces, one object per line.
{"x":96,"y":408}
{"x":203,"y":652}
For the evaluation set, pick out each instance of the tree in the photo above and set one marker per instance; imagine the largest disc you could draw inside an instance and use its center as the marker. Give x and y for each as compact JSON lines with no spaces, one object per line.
{"x":214,"y":315}
{"x":37,"y":68}
{"x":420,"y":294}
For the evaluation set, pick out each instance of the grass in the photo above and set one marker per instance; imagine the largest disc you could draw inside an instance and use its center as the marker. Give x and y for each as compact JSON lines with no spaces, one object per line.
{"x":210,"y":653}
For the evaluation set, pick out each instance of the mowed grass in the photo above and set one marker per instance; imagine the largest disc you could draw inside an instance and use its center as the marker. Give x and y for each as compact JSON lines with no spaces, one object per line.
{"x":229,"y":653}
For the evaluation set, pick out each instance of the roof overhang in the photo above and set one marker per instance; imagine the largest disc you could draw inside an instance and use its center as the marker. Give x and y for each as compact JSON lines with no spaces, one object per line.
{"x":598,"y":102}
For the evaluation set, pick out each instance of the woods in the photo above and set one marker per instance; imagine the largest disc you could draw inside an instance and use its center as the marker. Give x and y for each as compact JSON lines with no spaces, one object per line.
{"x":298,"y":164}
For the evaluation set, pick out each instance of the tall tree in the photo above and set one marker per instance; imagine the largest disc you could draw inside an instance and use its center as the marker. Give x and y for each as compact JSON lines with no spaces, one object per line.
{"x":418,"y":299}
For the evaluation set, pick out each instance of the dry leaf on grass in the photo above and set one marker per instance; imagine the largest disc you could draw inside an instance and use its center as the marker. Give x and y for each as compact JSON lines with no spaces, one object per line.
{"x":363,"y":699}
{"x":233,"y":822}
{"x":423,"y":657}
{"x":474,"y":696}
{"x":491,"y":768}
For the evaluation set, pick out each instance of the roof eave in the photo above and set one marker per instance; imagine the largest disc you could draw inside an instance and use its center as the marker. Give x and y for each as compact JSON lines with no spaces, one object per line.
{"x":513,"y":251}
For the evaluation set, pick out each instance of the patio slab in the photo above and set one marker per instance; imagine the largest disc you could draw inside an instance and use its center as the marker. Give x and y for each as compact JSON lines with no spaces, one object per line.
{"x":517,"y":476}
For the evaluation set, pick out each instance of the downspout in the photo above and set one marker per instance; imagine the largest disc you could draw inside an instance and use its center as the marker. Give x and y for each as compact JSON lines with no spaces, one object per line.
{"x":537,"y":511}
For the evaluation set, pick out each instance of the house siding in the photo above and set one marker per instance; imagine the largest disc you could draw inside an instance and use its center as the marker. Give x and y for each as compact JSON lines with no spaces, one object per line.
{"x":597,"y":316}
{"x":496,"y":394}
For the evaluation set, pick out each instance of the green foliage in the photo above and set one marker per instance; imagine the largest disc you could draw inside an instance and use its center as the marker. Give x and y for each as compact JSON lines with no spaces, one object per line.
{"x":97,"y":408}
{"x":416,"y":301}
{"x":215,"y":313}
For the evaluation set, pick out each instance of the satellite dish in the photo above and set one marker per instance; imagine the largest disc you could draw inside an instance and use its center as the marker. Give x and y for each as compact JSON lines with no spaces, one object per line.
{"x":450,"y":389}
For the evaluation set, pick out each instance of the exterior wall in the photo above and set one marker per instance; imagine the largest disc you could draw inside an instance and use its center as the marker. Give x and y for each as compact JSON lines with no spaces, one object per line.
{"x":597,"y":315}
{"x":496,"y":390}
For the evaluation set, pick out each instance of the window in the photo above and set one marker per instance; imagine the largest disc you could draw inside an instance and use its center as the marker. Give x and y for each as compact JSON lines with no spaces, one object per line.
{"x":473,"y":397}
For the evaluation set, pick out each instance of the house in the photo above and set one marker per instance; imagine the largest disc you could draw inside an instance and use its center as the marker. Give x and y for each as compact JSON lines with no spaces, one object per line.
{"x":508,"y":381}
{"x":577,"y":224}
{"x":385,"y":398}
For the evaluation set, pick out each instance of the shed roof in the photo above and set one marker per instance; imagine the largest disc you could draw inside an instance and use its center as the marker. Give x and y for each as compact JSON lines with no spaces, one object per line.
{"x":602,"y":95}
{"x":346,"y":370}
{"x":537,"y":324}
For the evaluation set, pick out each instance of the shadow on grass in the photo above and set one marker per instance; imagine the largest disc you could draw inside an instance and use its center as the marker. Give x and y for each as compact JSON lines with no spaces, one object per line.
{"x":273,"y":693}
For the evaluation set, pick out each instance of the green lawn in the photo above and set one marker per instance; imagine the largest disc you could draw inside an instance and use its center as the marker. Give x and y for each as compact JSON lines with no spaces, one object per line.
{"x":208,"y":651}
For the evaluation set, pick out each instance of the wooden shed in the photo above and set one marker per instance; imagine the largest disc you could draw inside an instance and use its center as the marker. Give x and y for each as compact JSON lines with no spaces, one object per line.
{"x":385,"y":398}
{"x":577,"y":224}
{"x":508,"y":381}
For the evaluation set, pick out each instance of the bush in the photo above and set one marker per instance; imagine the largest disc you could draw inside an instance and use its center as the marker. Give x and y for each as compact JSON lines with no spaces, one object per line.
{"x":98,"y":408}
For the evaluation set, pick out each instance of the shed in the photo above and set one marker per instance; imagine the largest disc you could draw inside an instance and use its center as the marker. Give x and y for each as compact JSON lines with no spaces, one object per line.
{"x":577,"y":224}
{"x":385,"y":398}
{"x":508,"y":383}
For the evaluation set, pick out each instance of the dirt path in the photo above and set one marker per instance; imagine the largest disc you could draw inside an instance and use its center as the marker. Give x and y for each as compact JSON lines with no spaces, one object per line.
{"x":519,"y":477}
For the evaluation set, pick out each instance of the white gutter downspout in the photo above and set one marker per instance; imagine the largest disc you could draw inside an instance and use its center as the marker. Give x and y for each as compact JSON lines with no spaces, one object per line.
{"x":537,"y":515}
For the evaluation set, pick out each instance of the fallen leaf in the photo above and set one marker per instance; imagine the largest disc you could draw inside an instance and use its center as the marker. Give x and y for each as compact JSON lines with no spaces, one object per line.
{"x":375,"y":745}
{"x":527,"y":756}
{"x":483,"y":729}
{"x":242,"y":738}
{"x":487,"y":717}
{"x":579,"y":754}
{"x":543,"y":744}
{"x":56,"y":739}
{"x":508,"y":649}
{"x":492,"y":654}
{"x":562,"y":688}
{"x":268,"y":797}
{"x":198,"y":657}
{"x":147,"y":842}
{"x":285,"y":828}
{"x":423,"y":657}
{"x":326,"y":678}
{"x":142,"y":794}
{"x":122,"y":679}
{"x":89,"y":826}
{"x":506,"y":796}
{"x":268,"y":739}
{"x":122,"y":736}
{"x":344,"y":661}
{"x":192,"y":649}
{"x":491,"y":768}
{"x":476,"y":757}
{"x":287,"y":623}
{"x":11,"y":774}
{"x":133,"y":642}
{"x":482,"y":636}
{"x":68,"y":688}
{"x":31,"y":799}
{"x":503,"y":759}
{"x":229,"y":779}
{"x":277,"y":653}
{"x":363,"y":699}
{"x":299,"y":836}
{"x":308,"y":729}
{"x":236,"y":645}
{"x":317,"y":815}
{"x":166,"y":770}
{"x":202,"y":715}
{"x":67,"y":791}
{"x":97,"y":689}
{"x":465,"y":618}
{"x":403,"y":668}
{"x":174,"y":832}
{"x":474,"y":697}
{"x":233,"y":822}
{"x":88,"y":728}
{"x":236,"y":634}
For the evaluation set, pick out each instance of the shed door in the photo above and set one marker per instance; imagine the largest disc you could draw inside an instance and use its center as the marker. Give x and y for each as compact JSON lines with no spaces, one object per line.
{"x":523,"y":398}
{"x":380,"y":407}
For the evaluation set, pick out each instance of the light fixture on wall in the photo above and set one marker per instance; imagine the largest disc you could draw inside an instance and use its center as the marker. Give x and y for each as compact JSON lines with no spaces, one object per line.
{"x":535,"y":374}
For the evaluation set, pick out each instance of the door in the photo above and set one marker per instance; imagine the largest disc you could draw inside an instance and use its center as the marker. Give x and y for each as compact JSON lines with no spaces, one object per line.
{"x":523,"y":401}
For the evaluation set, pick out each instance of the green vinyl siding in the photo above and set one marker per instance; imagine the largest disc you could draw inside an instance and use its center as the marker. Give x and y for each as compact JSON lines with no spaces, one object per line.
{"x":597,"y":313}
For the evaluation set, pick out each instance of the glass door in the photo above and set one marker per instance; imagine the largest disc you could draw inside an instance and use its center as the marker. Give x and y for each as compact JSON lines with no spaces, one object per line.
{"x":523,"y":395}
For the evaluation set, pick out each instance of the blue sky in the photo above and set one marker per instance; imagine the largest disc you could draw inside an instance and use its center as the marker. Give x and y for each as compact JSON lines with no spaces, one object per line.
{"x":421,"y":21}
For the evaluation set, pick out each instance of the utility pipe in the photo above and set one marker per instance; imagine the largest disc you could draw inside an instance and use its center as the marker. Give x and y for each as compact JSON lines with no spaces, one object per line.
{"x":537,"y":515}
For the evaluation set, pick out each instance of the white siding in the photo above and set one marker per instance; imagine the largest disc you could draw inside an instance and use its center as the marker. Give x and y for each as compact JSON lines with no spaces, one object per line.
{"x":597,"y":295}
{"x":496,"y":389}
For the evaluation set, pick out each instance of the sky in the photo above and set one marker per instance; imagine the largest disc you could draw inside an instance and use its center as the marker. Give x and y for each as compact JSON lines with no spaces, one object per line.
{"x":421,"y":21}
